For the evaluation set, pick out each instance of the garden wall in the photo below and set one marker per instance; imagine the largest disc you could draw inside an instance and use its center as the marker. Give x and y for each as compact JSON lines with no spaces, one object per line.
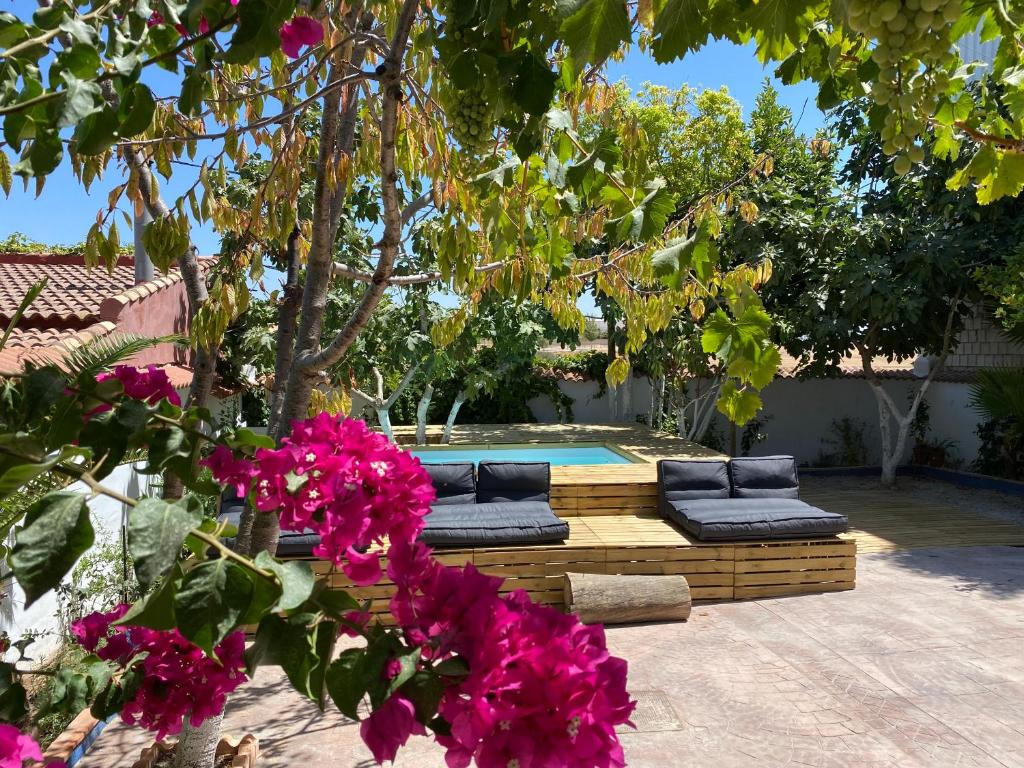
{"x":798,"y":415}
{"x":41,"y":616}
{"x":588,"y":407}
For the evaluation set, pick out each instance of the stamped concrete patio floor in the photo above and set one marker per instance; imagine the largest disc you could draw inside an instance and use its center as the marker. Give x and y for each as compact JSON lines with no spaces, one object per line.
{"x":922,"y":665}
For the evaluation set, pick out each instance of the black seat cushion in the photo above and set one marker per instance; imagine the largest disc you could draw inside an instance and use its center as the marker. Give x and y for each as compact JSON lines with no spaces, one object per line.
{"x":741,"y":519}
{"x":454,"y":482}
{"x":493,"y":524}
{"x":513,"y":481}
{"x":764,"y":477}
{"x":289,"y":544}
{"x":679,"y":480}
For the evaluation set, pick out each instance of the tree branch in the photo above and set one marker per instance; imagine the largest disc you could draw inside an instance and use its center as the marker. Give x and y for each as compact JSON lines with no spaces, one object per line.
{"x":392,"y":98}
{"x":362,"y":276}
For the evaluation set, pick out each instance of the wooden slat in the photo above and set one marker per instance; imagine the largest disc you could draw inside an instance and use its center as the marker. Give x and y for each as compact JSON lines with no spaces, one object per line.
{"x":813,"y":563}
{"x":781,"y":590}
{"x":793,"y":577}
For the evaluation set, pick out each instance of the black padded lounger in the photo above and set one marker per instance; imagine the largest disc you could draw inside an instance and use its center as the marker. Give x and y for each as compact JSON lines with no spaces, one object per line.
{"x":751,"y":498}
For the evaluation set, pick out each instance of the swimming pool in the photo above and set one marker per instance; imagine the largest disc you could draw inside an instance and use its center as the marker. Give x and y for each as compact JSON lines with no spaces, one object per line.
{"x":556,"y":455}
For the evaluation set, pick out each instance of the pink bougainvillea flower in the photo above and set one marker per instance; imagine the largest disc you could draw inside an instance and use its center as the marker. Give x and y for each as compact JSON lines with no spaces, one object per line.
{"x":539,"y":685}
{"x":389,"y":727}
{"x":149,"y":384}
{"x":541,"y":689}
{"x":300,"y":31}
{"x":231,"y":471}
{"x":337,"y":478}
{"x":177,"y":678}
{"x":155,"y":19}
{"x":363,"y":569}
{"x":17,"y":747}
{"x":204,"y":26}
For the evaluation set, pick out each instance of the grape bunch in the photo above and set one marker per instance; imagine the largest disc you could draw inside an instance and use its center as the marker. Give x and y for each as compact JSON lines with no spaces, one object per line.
{"x":470,"y":117}
{"x":913,"y":40}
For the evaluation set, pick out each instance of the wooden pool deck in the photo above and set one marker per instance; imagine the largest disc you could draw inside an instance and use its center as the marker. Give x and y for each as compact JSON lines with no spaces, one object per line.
{"x":614,"y":526}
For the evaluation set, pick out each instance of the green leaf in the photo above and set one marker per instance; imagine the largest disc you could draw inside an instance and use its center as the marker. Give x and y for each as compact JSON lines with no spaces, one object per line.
{"x":13,"y":699}
{"x":717,"y":333}
{"x":296,"y":579}
{"x":424,"y":690}
{"x":409,"y":663}
{"x":211,"y":601}
{"x":1006,"y":180}
{"x":45,"y":155}
{"x":617,"y":371}
{"x":97,"y":132}
{"x":780,"y":26}
{"x":595,"y":30}
{"x":15,"y":477}
{"x":680,"y":27}
{"x":345,"y":683}
{"x":648,"y":218}
{"x":258,"y":30}
{"x":156,"y":530}
{"x":81,"y":61}
{"x":533,"y":86}
{"x":156,"y":610}
{"x":136,"y":110}
{"x":301,"y":648}
{"x":57,"y":531}
{"x":757,"y":369}
{"x":6,"y":177}
{"x":740,"y":406}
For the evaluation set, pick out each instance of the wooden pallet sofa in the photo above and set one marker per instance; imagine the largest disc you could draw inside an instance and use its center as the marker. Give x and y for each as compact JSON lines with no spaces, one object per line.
{"x":622,"y":534}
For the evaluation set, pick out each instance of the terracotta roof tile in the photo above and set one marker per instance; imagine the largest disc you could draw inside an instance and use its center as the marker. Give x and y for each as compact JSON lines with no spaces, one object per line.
{"x":73,"y":294}
{"x":46,"y":345}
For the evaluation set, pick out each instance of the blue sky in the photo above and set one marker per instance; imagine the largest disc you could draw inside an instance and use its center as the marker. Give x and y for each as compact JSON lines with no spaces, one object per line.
{"x":64,"y":211}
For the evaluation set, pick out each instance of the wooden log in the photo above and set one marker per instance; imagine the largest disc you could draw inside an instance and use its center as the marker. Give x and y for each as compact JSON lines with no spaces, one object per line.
{"x":602,"y":598}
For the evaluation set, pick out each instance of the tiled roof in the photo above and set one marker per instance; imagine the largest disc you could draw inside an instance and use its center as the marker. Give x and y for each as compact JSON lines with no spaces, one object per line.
{"x":46,"y":345}
{"x":79,"y":304}
{"x":790,"y":368}
{"x":73,"y":294}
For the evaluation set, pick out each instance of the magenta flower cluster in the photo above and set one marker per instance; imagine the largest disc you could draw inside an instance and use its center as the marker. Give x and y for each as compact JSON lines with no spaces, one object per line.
{"x":336,"y":477}
{"x":177,"y":678}
{"x":541,"y":689}
{"x":17,"y":747}
{"x":295,"y":33}
{"x":149,"y":384}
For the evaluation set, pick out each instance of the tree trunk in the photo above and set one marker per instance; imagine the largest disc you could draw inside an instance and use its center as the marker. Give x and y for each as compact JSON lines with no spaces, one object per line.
{"x":421,"y":413}
{"x":598,"y":598}
{"x":460,"y":398}
{"x":384,"y":419}
{"x":197,"y":745}
{"x":287,"y":320}
{"x":657,"y":401}
{"x":892,"y":451}
{"x":627,"y":397}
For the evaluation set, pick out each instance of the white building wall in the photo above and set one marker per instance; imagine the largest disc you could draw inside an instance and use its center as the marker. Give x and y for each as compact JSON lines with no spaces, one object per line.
{"x":799,"y":415}
{"x":589,"y":408}
{"x":107,"y":519}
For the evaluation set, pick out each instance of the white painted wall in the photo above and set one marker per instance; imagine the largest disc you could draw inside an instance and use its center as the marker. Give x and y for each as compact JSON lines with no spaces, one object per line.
{"x":588,"y":408}
{"x":802,"y":414}
{"x":107,"y":517}
{"x":952,"y":417}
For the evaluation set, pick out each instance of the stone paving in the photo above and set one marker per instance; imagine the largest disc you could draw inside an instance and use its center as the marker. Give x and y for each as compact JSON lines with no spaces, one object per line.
{"x":922,"y":666}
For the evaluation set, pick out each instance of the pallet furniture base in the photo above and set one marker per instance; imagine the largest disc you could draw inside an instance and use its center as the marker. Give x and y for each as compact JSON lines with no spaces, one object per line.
{"x":648,"y":545}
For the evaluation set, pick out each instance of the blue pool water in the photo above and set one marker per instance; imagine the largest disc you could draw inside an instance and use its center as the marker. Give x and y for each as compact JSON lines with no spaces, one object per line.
{"x":555,"y":455}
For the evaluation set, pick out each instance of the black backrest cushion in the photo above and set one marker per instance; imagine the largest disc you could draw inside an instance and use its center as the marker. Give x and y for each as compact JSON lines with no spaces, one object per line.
{"x":683,"y":480}
{"x":453,"y":482}
{"x":513,"y":481}
{"x":764,"y":477}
